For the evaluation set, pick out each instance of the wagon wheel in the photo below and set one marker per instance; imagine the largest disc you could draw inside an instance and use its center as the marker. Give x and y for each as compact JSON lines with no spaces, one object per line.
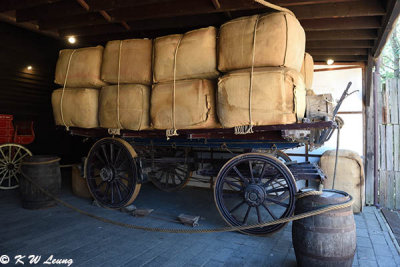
{"x":244,"y":194}
{"x":111,"y":173}
{"x":11,"y":156}
{"x":172,"y":177}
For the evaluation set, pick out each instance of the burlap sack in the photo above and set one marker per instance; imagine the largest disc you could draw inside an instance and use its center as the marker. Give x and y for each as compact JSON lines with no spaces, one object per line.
{"x":196,"y":55}
{"x":135,"y":61}
{"x":278,"y":97}
{"x":134,"y":107}
{"x":307,"y":70}
{"x":349,"y":175}
{"x":280,"y":41}
{"x":194,"y":105}
{"x":84,"y":68}
{"x":80,"y":107}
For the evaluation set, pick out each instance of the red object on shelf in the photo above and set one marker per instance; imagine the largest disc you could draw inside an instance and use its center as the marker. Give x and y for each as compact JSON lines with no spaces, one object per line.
{"x":22,"y":133}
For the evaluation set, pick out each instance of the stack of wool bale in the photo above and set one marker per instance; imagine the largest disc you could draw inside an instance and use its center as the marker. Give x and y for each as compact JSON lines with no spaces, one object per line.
{"x":76,"y":103}
{"x":183,"y":94}
{"x":261,"y":57}
{"x":307,"y":71}
{"x":126,"y":103}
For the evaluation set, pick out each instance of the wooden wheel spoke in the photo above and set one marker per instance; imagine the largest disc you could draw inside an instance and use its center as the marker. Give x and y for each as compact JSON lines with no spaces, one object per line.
{"x":237,"y":206}
{"x":103,"y":148}
{"x":20,"y":158}
{"x":100,"y":159}
{"x":234,"y":185}
{"x":276,"y":202}
{"x":251,"y":171}
{"x":276,"y":190}
{"x":118,"y":191}
{"x":4,"y":156}
{"x":240,"y":175}
{"x":15,"y":155}
{"x":246,"y":216}
{"x":112,"y":192}
{"x":117,"y":156}
{"x":269,"y":211}
{"x":112,"y":153}
{"x":258,"y":214}
{"x":123,"y":185}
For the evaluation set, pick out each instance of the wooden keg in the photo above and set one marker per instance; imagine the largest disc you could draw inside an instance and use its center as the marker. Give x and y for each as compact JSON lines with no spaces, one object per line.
{"x":45,"y":172}
{"x":328,"y":239}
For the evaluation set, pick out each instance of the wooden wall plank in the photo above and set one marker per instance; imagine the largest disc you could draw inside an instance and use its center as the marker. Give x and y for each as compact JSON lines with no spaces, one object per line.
{"x":382,"y":187}
{"x":393,"y":101}
{"x":369,"y":154}
{"x":390,"y":184}
{"x":389,"y":147}
{"x":396,"y":147}
{"x":397,"y":200}
{"x":382,"y":145}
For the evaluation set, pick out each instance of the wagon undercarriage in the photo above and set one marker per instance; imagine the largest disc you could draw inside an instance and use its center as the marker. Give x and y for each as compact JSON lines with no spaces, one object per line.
{"x":255,"y":182}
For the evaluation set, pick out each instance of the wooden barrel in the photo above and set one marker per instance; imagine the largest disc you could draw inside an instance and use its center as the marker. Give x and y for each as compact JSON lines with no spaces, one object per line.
{"x":45,"y":172}
{"x":328,"y":239}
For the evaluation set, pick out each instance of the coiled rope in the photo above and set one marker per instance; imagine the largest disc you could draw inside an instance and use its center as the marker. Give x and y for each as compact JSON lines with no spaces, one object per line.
{"x":314,"y":212}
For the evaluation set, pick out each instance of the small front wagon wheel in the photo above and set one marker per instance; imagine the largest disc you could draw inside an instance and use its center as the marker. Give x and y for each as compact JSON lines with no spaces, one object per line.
{"x":111,"y":173}
{"x":255,"y":188}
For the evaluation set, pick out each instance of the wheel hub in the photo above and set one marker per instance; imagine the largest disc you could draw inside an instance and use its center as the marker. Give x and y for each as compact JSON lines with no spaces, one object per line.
{"x":254,"y":195}
{"x":106,"y":174}
{"x":10,"y":166}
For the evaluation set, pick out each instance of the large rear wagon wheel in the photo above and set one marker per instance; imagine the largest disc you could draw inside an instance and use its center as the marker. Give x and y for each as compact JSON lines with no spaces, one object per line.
{"x":111,"y":173}
{"x":11,"y":156}
{"x":255,"y":188}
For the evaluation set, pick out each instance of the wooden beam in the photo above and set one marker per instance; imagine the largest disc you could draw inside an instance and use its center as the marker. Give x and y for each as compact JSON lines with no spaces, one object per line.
{"x":175,"y":8}
{"x":71,"y":21}
{"x":341,"y":58}
{"x":107,"y":4}
{"x":384,"y":33}
{"x":338,"y":51}
{"x":340,"y":44}
{"x":340,"y":10}
{"x":369,"y":34}
{"x":341,"y":23}
{"x":7,"y":5}
{"x":144,"y":26}
{"x":216,"y":4}
{"x":54,"y":10}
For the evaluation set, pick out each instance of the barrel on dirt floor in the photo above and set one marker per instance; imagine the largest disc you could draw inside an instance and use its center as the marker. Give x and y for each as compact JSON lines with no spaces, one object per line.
{"x":44,"y":171}
{"x":327,"y":239}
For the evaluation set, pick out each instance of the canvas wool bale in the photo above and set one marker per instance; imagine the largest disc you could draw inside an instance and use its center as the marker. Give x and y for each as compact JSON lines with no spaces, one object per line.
{"x":135,"y":61}
{"x":349,"y":175}
{"x":194,"y":105}
{"x":79,"y":107}
{"x":84,"y":67}
{"x":196,"y":56}
{"x":307,"y":70}
{"x":280,"y":41}
{"x":134,"y":107}
{"x":278,"y":97}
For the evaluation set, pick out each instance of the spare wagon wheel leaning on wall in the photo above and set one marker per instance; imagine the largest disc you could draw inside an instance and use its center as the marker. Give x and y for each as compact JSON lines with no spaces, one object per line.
{"x":111,"y":172}
{"x":11,"y":156}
